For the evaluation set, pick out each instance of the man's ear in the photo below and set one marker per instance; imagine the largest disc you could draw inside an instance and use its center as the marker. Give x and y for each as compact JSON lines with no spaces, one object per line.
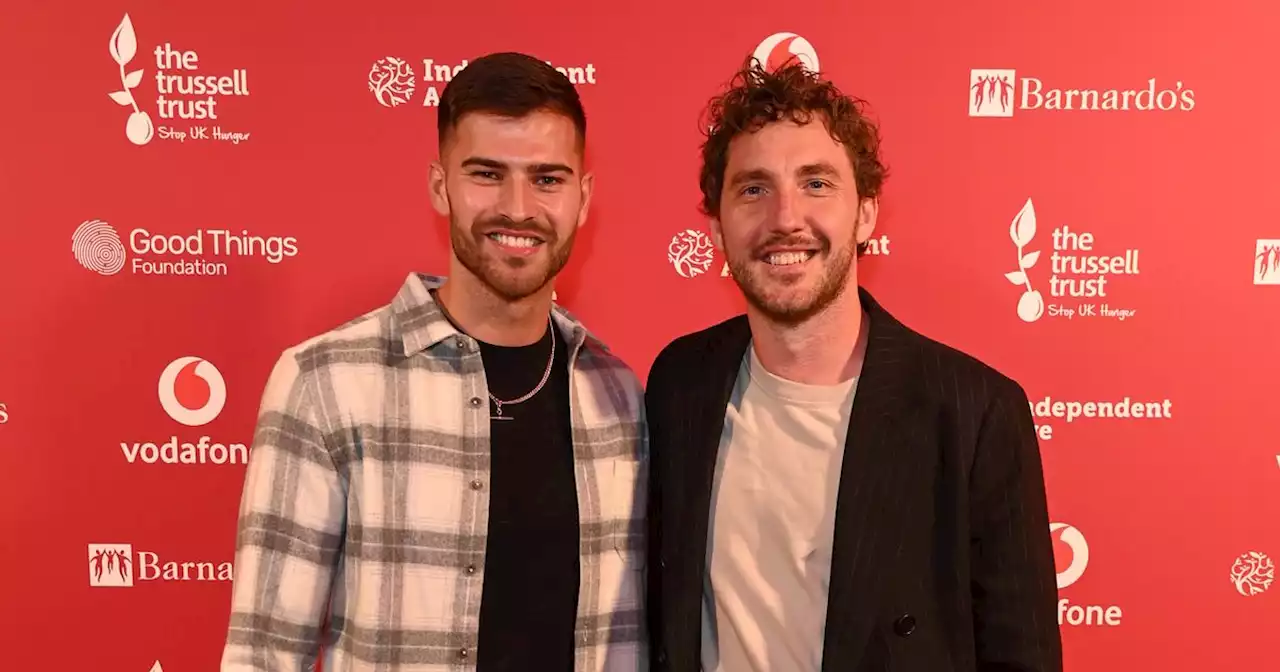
{"x":717,"y":234}
{"x":868,"y":211}
{"x":588,"y":186}
{"x":437,"y":187}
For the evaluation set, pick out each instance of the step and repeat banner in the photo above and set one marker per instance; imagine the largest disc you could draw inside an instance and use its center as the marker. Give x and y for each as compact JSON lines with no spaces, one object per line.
{"x":1080,"y":195}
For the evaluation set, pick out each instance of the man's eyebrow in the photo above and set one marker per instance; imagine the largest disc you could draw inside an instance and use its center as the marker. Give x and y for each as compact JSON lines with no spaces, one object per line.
{"x":751,"y":175}
{"x":536,"y":168}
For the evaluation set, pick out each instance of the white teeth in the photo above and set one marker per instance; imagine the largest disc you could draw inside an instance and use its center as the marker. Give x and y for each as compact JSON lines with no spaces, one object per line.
{"x":787,"y":258}
{"x":514,"y":241}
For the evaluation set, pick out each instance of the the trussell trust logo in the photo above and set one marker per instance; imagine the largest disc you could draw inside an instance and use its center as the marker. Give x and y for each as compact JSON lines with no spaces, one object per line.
{"x":117,"y":566}
{"x":193,"y":393}
{"x":1071,"y":558}
{"x":778,"y":48}
{"x":394,"y":81}
{"x":98,"y":247}
{"x":1266,"y":263}
{"x":1076,"y":272}
{"x":188,"y":100}
{"x":999,"y":92}
{"x":1252,"y":573}
{"x":691,"y":252}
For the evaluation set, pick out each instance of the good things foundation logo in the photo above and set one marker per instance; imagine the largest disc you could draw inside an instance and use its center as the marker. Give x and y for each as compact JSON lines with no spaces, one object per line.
{"x":1081,"y":282}
{"x":189,"y":104}
{"x":98,"y":247}
{"x":393,"y":81}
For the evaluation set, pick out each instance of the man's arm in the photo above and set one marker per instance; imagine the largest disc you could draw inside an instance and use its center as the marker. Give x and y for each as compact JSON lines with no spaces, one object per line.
{"x":289,"y":533}
{"x":1012,"y":572}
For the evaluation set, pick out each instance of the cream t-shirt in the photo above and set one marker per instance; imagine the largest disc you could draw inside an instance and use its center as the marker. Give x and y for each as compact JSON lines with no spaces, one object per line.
{"x":772,"y":520}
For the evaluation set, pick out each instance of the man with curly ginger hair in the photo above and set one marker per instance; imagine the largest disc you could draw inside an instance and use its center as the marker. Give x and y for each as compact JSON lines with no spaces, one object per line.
{"x":792,"y":528}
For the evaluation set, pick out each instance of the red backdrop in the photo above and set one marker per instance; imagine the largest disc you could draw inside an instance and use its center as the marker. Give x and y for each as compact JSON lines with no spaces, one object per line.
{"x":282,"y":149}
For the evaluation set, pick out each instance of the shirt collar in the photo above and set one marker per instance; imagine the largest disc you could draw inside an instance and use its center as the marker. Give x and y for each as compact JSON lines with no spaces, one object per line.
{"x":419,"y":323}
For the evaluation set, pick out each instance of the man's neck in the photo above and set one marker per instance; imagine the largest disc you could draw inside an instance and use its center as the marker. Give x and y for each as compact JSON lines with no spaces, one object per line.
{"x":490,"y":318}
{"x":826,"y":349}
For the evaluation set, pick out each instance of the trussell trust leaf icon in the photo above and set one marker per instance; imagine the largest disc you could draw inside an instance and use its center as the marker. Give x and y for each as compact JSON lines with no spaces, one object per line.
{"x":124,"y":44}
{"x":1022,"y":230}
{"x":123,"y":47}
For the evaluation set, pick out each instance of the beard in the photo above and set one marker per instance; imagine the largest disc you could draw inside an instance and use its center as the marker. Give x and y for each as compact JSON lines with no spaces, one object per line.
{"x":512,"y":278}
{"x":793,"y":301}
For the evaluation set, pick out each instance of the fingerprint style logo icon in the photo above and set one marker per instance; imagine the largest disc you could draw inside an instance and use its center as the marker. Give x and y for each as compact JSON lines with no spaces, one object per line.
{"x":97,"y":247}
{"x":1070,"y":553}
{"x":192,"y":391}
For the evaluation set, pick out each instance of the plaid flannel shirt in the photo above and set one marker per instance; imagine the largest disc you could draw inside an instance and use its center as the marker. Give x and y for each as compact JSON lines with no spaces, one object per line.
{"x":365,"y":507}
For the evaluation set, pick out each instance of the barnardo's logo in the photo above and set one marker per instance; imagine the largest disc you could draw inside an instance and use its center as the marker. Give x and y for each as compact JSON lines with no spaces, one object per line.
{"x":1071,"y":558}
{"x":117,"y":566}
{"x":1252,"y":573}
{"x":999,"y":92}
{"x":1079,"y":277}
{"x":193,"y":392}
{"x":1048,"y":411}
{"x":778,"y":48}
{"x":1266,"y":263}
{"x":691,"y":253}
{"x":393,"y":81}
{"x":98,"y":247}
{"x":188,"y":100}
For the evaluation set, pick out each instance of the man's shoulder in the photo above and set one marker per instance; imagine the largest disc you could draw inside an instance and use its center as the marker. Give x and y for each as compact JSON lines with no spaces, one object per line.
{"x":694,"y":346}
{"x":355,"y":338}
{"x":940,"y":362}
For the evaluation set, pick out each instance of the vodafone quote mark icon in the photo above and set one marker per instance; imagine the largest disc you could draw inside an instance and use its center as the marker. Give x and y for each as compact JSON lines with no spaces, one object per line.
{"x":778,"y":48}
{"x":192,"y":391}
{"x":1070,"y":553}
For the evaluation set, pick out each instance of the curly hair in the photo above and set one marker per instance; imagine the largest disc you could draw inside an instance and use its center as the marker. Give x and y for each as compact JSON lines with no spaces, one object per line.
{"x":756,"y":97}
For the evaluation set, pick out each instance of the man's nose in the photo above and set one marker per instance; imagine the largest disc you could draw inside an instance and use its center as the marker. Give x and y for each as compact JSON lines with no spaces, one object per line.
{"x":517,"y":200}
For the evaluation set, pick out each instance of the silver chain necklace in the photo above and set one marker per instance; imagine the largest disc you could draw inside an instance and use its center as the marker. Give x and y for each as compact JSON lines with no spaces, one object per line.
{"x":499,"y":403}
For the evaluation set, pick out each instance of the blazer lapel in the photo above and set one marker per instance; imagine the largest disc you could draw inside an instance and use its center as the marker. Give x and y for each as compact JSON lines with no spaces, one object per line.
{"x":723,"y":358}
{"x":889,"y":432}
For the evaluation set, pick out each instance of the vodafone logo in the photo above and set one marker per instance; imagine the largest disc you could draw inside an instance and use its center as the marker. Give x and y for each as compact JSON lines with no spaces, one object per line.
{"x":1070,"y":553}
{"x":778,"y":48}
{"x":192,"y":391}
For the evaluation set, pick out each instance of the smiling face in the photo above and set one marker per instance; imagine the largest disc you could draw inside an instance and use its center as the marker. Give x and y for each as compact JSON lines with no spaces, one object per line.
{"x":515,"y":194}
{"x":791,"y":219}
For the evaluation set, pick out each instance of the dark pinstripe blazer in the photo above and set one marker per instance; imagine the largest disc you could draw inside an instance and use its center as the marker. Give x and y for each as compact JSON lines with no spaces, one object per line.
{"x":942,"y":557}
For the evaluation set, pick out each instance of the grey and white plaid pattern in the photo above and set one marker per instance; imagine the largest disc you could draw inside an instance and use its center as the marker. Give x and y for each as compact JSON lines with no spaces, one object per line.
{"x":365,"y":507}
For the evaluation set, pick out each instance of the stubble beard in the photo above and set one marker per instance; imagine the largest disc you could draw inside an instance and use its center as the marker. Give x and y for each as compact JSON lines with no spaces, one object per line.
{"x":512,"y":278}
{"x":778,"y":303}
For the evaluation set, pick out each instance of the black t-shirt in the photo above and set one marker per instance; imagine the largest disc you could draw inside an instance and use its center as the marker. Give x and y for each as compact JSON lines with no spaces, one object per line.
{"x":528,"y":608}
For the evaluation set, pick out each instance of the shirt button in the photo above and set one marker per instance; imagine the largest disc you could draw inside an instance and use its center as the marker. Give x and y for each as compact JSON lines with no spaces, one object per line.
{"x":471,"y":569}
{"x":476,"y":401}
{"x":476,"y":484}
{"x":463,"y":652}
{"x":460,"y":342}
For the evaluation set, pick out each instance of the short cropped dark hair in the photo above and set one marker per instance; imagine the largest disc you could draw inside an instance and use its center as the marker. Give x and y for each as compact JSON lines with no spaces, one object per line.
{"x":508,"y":84}
{"x":756,"y":97}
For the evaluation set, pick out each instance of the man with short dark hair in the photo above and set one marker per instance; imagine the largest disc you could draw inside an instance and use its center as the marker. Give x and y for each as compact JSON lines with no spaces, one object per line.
{"x":422,"y":493}
{"x":792,"y":527}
